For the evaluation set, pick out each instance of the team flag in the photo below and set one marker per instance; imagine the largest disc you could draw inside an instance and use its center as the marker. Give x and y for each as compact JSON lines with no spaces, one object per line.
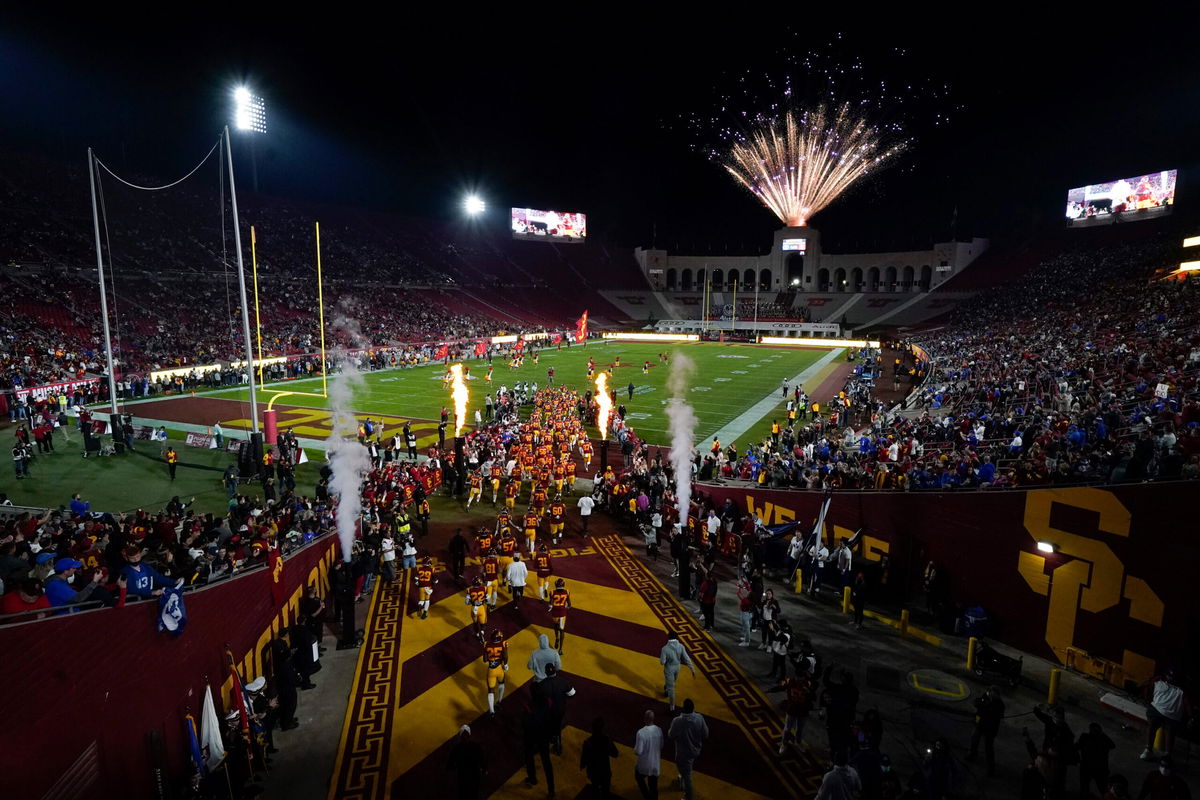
{"x":442,"y":352}
{"x":172,"y":616}
{"x":480,"y":348}
{"x":195,"y":755}
{"x":237,"y":695}
{"x":556,"y":339}
{"x":212,"y":749}
{"x":302,"y":458}
{"x":581,"y":330}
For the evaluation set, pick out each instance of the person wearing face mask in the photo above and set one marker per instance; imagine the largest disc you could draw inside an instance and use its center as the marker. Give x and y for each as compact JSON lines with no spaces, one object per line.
{"x":890,"y":787}
{"x":144,"y":580}
{"x":60,"y":588}
{"x":1164,"y":784}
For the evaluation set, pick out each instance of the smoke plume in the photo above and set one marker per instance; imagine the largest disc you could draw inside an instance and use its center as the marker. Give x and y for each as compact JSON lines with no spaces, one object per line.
{"x":682,"y":421}
{"x":347,"y":458}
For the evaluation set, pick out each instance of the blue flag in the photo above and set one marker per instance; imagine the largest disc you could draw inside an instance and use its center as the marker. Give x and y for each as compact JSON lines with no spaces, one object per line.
{"x":194,"y":754}
{"x":172,"y":616}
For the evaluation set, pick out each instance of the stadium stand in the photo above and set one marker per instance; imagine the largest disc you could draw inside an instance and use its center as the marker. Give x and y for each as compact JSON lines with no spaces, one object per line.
{"x":1020,"y":392}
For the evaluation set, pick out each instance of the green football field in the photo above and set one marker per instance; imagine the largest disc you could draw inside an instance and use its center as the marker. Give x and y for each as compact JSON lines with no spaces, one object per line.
{"x":734,"y":388}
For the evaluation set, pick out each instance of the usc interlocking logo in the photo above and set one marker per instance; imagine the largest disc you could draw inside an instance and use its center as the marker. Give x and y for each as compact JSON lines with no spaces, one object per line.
{"x":1087,"y":575}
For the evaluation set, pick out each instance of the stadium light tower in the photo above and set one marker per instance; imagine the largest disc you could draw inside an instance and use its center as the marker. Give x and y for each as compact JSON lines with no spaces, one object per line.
{"x":474,"y":205}
{"x":250,"y":118}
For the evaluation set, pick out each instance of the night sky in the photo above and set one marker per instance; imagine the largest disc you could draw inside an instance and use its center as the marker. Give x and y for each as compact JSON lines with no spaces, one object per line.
{"x":581,"y":112}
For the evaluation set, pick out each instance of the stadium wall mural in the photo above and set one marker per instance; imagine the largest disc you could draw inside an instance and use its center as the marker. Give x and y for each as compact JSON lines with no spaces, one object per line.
{"x":1115,"y":582}
{"x":111,"y":664}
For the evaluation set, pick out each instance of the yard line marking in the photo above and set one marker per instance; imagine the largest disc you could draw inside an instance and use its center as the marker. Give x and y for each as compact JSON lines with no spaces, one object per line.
{"x":737,"y":427}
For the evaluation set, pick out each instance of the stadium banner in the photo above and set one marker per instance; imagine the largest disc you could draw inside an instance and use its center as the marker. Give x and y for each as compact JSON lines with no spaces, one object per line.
{"x":514,"y":338}
{"x":204,"y":441}
{"x":804,"y":341}
{"x":778,"y":326}
{"x":647,"y":336}
{"x":1104,"y":588}
{"x":62,"y":387}
{"x":151,"y":678}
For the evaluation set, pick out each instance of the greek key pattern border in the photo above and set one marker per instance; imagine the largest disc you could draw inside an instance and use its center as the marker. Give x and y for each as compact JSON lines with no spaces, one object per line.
{"x":801,"y":773}
{"x":364,"y":752}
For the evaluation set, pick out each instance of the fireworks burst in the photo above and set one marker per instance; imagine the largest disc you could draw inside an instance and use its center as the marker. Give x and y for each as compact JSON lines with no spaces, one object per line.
{"x":800,"y":163}
{"x":812,"y":121}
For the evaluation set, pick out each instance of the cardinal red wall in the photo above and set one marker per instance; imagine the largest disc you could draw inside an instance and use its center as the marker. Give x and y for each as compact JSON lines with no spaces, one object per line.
{"x":108,"y":677}
{"x":1125,"y":568}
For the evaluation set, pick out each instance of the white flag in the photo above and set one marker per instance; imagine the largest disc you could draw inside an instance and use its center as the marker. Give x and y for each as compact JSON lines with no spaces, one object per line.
{"x":303,"y":459}
{"x":211,"y":747}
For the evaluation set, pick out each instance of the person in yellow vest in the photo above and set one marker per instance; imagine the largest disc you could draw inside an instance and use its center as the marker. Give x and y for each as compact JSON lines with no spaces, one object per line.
{"x":816,"y":409}
{"x":172,"y":461}
{"x":775,"y":430}
{"x":716,"y":447}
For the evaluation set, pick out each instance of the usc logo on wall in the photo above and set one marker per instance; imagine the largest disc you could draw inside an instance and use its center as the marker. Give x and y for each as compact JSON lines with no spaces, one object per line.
{"x":1085,"y":573}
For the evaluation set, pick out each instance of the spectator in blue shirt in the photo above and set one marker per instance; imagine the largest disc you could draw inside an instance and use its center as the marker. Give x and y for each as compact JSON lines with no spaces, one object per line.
{"x":78,"y":507}
{"x":987,"y":471}
{"x":60,"y":588}
{"x":143,"y":579}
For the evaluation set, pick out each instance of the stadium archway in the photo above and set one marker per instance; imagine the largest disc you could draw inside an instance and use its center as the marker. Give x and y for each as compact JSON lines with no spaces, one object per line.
{"x":764,"y":279}
{"x":909,"y":277}
{"x":873,"y":279}
{"x":926,"y":277}
{"x":822,"y":280}
{"x":718,"y":279}
{"x":686,"y":280}
{"x":795,"y":269}
{"x":839,"y":280}
{"x":856,"y":279}
{"x":701,"y":275}
{"x":748,"y":279}
{"x":889,"y":280}
{"x":671,"y":279}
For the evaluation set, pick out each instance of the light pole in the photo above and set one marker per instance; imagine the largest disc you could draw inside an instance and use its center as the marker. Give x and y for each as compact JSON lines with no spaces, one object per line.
{"x":112,"y":378}
{"x":241,"y":272}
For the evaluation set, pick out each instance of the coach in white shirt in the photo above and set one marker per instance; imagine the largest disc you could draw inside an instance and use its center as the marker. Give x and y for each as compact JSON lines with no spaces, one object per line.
{"x":516,"y":575}
{"x":585,"y":506}
{"x":648,"y":749}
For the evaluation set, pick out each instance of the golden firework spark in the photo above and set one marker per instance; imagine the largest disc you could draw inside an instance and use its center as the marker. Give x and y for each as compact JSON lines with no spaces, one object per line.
{"x":799,"y":164}
{"x":458,"y":390}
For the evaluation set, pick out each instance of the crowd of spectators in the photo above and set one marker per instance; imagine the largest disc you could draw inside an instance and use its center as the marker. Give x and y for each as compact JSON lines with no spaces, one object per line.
{"x":1085,"y":371}
{"x":112,"y":558}
{"x":53,"y":331}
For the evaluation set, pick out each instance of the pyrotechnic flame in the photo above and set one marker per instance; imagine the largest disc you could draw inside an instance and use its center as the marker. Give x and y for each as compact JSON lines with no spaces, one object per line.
{"x":605,"y":402}
{"x":458,"y":390}
{"x":799,"y":164}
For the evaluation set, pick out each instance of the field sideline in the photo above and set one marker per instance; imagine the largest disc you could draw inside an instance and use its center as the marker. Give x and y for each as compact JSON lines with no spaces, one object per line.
{"x":735,"y":388}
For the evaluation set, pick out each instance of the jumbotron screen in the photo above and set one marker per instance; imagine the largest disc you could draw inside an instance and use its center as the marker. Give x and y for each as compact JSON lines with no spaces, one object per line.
{"x":1156,"y":190}
{"x":530,"y":223}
